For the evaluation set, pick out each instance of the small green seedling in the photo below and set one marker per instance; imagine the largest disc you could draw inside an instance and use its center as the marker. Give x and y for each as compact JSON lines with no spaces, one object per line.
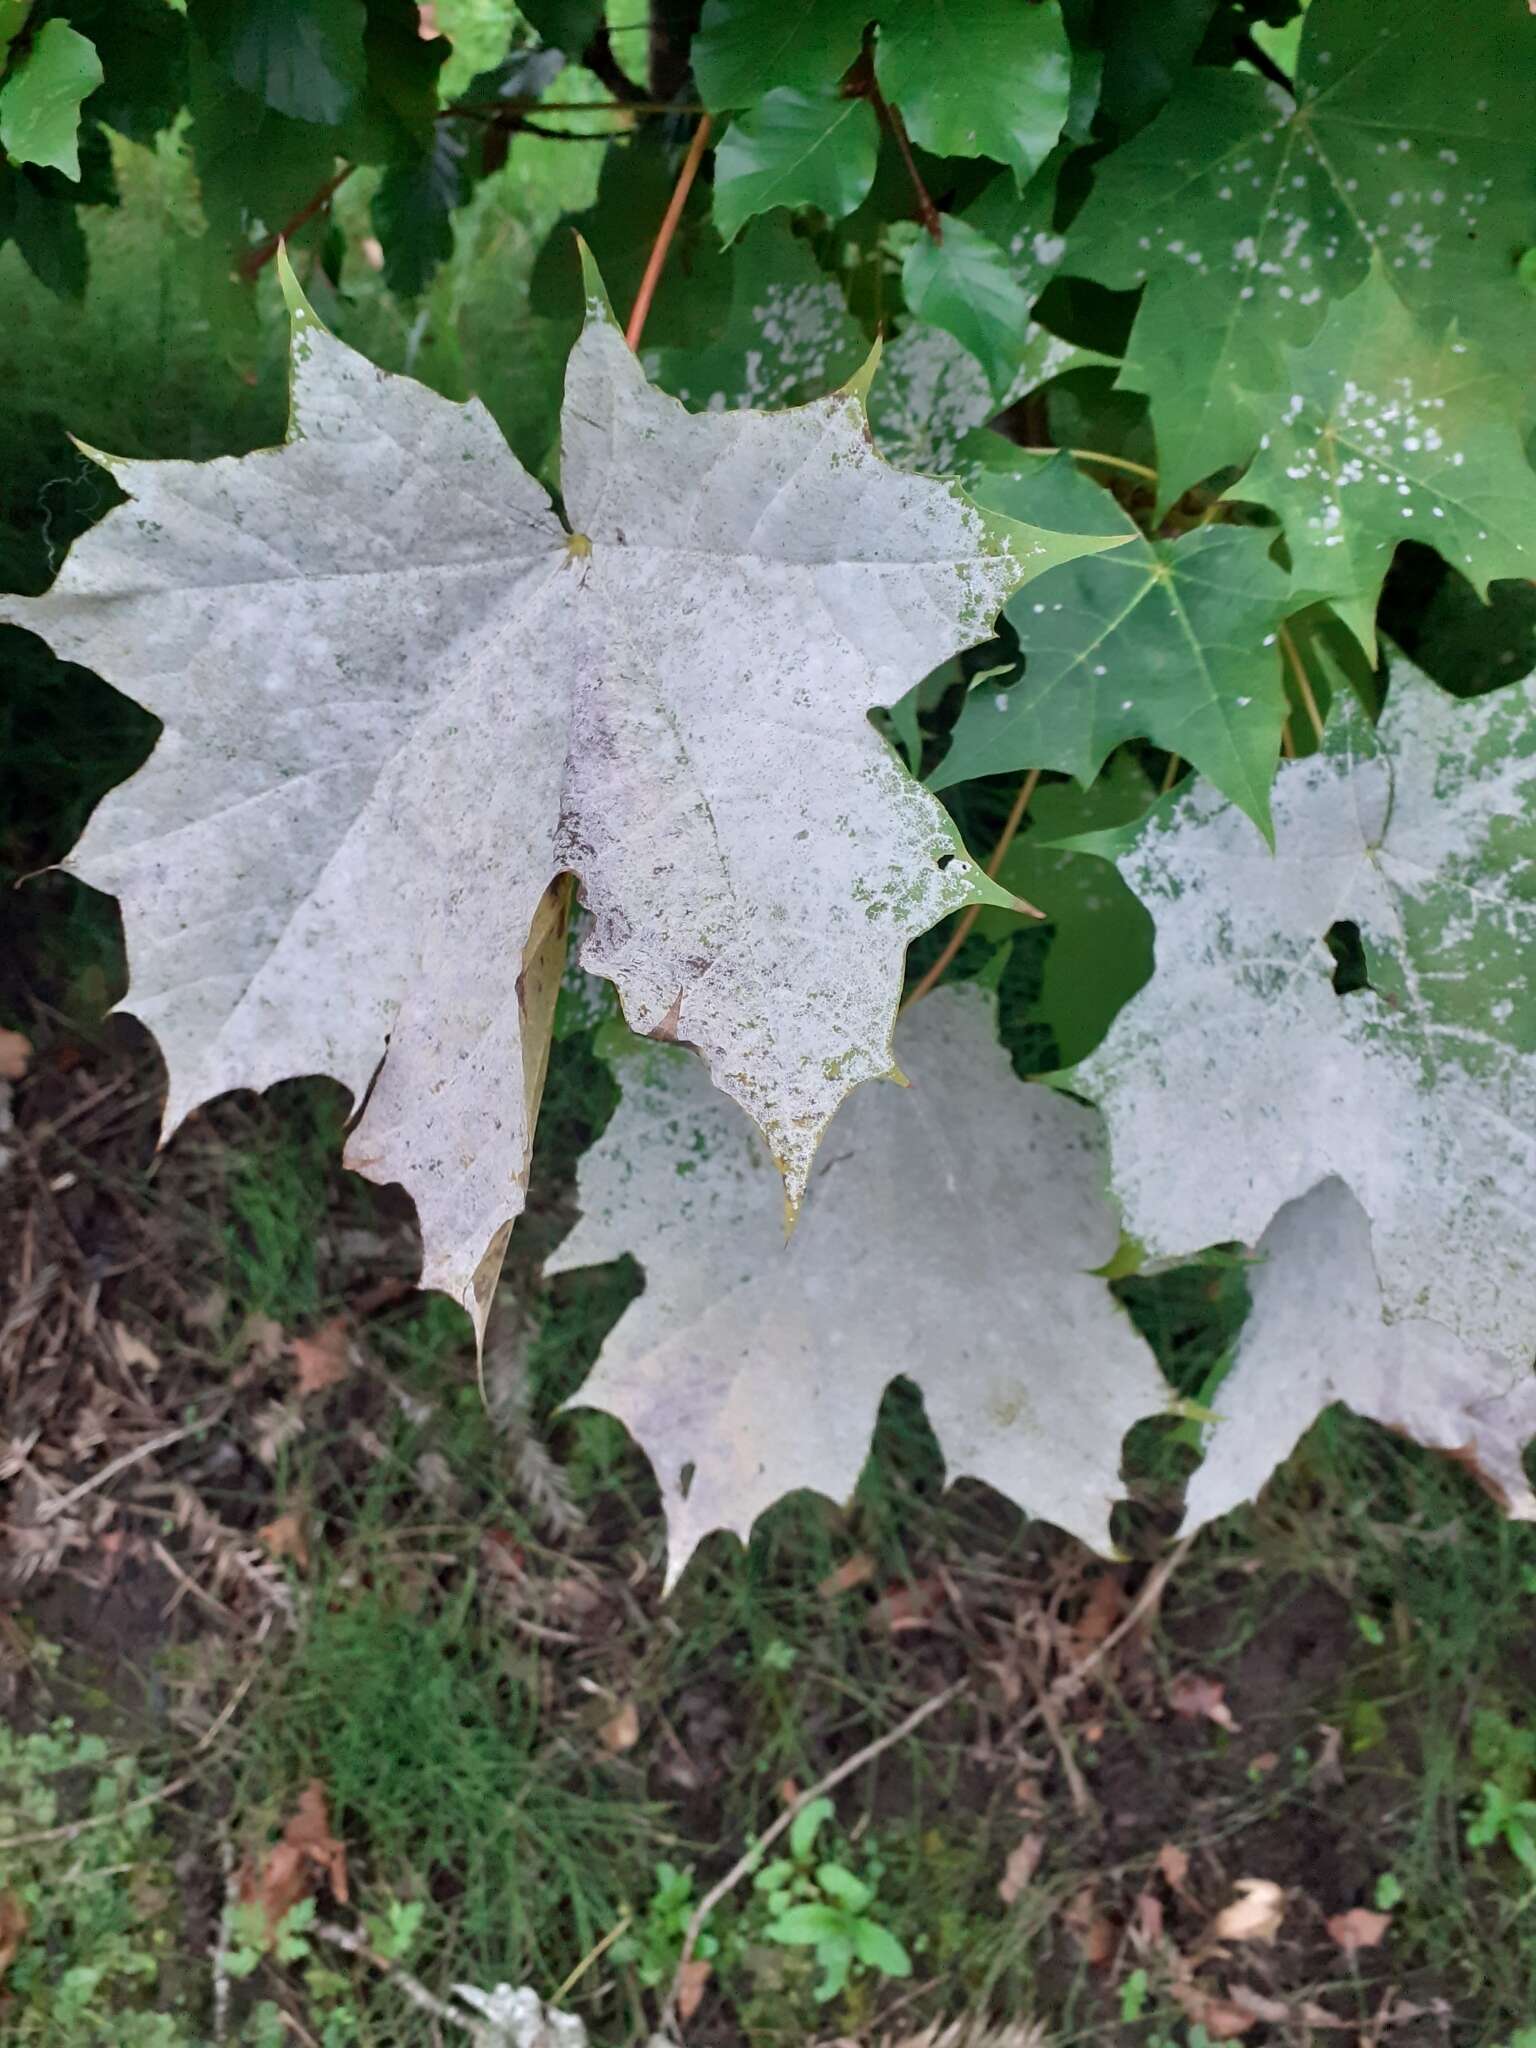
{"x":656,"y":1942}
{"x":1506,"y":1820}
{"x":825,"y":1907}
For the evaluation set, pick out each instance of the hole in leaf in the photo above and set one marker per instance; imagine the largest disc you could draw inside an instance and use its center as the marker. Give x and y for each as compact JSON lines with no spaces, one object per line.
{"x":685,"y":1479}
{"x":947,"y":860}
{"x":1350,"y":971}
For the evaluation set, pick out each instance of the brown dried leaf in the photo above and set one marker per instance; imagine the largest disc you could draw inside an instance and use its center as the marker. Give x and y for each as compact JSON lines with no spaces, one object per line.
{"x":853,"y":1571}
{"x":1023,"y":1862}
{"x":307,"y":1852}
{"x":13,"y":1914}
{"x":1359,"y":1928}
{"x":15,"y":1058}
{"x":1090,"y":1929}
{"x":1254,"y":1915}
{"x":262,"y":1339}
{"x":323,"y":1359}
{"x":1172,"y":1865}
{"x":1194,"y":1698}
{"x":691,"y":1980}
{"x":285,"y":1537}
{"x":622,"y":1730}
{"x":133,"y":1352}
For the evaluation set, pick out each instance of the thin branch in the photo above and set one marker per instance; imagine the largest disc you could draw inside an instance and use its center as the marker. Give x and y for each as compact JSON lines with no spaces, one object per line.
{"x":1150,"y":1596}
{"x":1247,"y":46}
{"x":598,"y":58}
{"x":1302,"y":681}
{"x":409,"y":1987}
{"x":147,"y":1449}
{"x":1170,"y":774}
{"x":71,"y":1829}
{"x":754,"y":1855}
{"x":255,"y":260}
{"x":890,"y":116}
{"x":1095,"y":455}
{"x":962,"y":930}
{"x":665,"y":232}
{"x":491,"y":110}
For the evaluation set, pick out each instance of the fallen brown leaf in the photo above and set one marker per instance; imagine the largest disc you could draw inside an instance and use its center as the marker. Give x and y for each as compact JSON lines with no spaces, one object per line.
{"x":285,"y":1537}
{"x":1255,"y":1915}
{"x":323,"y":1359}
{"x":853,"y":1571}
{"x":132,"y":1351}
{"x":1100,"y":1611}
{"x":908,"y":1607}
{"x":1359,"y":1928}
{"x":1194,"y":1698}
{"x":307,"y":1852}
{"x":1147,"y":1925}
{"x":1023,"y":1862}
{"x":1173,"y":1865}
{"x":15,"y":1055}
{"x":1264,"y":1762}
{"x":622,"y":1730}
{"x":691,"y":1980}
{"x":261,"y":1339}
{"x":208,"y":1312}
{"x":13,"y":1914}
{"x":1090,"y":1929}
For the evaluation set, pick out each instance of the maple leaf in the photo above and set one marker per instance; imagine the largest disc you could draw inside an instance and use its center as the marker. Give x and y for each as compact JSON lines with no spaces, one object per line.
{"x":401,"y":701}
{"x":748,"y":1368}
{"x":1315,"y":1334}
{"x":1392,"y":434}
{"x":1244,"y":212}
{"x":1172,"y":641}
{"x":1419,"y":1091}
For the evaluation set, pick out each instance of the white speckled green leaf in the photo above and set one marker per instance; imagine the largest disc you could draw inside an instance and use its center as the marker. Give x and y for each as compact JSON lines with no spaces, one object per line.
{"x":1238,"y":1078}
{"x":1391,"y":434}
{"x":1244,"y":212}
{"x":400,"y":700}
{"x":950,"y":1234}
{"x":1315,"y":1334}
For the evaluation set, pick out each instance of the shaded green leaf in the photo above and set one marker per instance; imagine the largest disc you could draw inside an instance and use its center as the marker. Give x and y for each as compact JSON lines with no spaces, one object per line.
{"x":966,"y":285}
{"x":302,"y":58}
{"x":878,"y":1949}
{"x":978,"y":78}
{"x":795,"y":149}
{"x":41,"y":99}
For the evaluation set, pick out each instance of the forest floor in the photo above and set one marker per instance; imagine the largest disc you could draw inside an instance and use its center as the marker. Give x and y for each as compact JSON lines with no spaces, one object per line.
{"x":304,"y":1635}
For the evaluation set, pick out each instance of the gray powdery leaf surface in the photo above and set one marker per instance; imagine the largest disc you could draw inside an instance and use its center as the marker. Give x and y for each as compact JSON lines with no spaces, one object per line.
{"x":1238,"y":1078}
{"x":1315,"y":1334}
{"x":950,"y":1234}
{"x":399,"y":700}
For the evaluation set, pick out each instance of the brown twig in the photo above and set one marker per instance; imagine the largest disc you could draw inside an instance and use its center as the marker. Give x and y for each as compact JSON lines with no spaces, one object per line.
{"x":1302,"y":681}
{"x":598,"y":58}
{"x":410,"y":1988}
{"x":665,"y":232}
{"x":962,"y":930}
{"x":753,"y":1856}
{"x":891,"y":119}
{"x":255,"y":260}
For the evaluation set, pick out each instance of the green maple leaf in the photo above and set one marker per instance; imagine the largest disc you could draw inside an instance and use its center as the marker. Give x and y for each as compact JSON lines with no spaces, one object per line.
{"x":302,"y":58}
{"x":1178,"y":647}
{"x":1391,"y":434}
{"x":795,"y":149}
{"x":971,"y":78}
{"x":1244,"y":214}
{"x":41,"y":99}
{"x":1239,"y":1078}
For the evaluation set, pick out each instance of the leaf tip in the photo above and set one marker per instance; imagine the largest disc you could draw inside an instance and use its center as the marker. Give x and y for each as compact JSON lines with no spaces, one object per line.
{"x":858,"y":385}
{"x":301,"y":314}
{"x":599,"y":305}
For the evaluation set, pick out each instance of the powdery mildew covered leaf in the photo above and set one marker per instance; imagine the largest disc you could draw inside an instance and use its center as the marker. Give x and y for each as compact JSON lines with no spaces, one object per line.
{"x":400,"y":700}
{"x":949,"y":1234}
{"x":1244,"y":213}
{"x":1390,"y":433}
{"x":1315,"y":1334}
{"x":1238,"y":1078}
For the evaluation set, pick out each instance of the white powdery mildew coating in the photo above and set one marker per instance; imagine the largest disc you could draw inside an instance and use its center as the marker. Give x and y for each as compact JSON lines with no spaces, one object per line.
{"x":944,"y":1221}
{"x":1238,"y":1079}
{"x":397,"y":704}
{"x":931,"y":391}
{"x":799,"y":333}
{"x":1315,"y":1335}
